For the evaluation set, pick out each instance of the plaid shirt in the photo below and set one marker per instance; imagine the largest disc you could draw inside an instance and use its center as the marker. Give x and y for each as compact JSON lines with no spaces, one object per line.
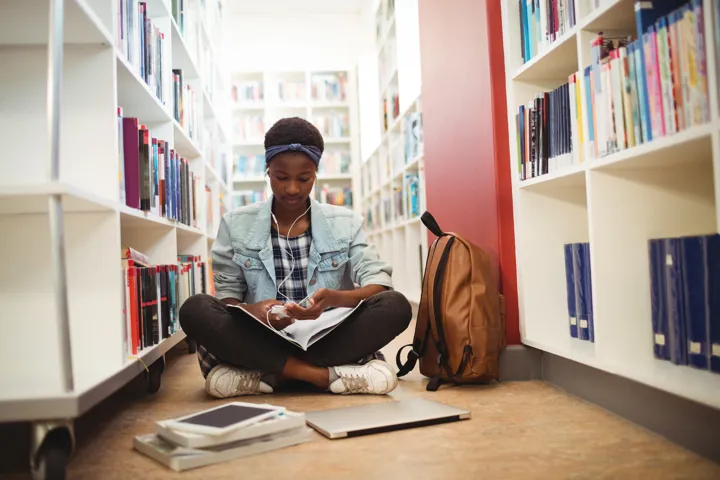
{"x":294,"y":289}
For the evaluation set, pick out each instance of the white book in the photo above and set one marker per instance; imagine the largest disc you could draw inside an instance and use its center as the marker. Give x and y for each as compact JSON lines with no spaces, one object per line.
{"x":183,"y":458}
{"x":284,"y":421}
{"x":304,"y":333}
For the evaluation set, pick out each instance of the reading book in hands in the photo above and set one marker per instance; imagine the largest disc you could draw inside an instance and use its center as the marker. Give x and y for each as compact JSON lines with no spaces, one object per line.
{"x":304,"y":333}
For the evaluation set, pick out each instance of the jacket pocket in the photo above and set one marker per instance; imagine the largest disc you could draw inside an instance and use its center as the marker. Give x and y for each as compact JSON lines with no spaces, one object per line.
{"x":252,"y":267}
{"x":332,"y":269}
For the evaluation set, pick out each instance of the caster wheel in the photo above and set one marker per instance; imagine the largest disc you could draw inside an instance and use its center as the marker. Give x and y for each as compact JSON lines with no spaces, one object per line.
{"x":192,"y":346}
{"x":52,"y":458}
{"x":155,"y":375}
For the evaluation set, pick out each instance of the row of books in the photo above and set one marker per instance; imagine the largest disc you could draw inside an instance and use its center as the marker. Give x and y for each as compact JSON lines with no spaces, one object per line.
{"x":213,"y":152}
{"x":153,"y":176}
{"x":329,"y":87}
{"x":292,"y":90}
{"x":332,"y":124}
{"x":153,"y":295}
{"x":249,"y":127}
{"x":542,"y":22}
{"x":578,"y":282}
{"x":246,"y":166}
{"x":340,"y":196}
{"x":390,"y":108}
{"x":248,"y":91}
{"x":248,"y":197}
{"x":184,"y":104}
{"x":335,"y":162}
{"x":636,"y":89}
{"x":685,"y":300}
{"x":546,"y":129}
{"x":142,"y":44}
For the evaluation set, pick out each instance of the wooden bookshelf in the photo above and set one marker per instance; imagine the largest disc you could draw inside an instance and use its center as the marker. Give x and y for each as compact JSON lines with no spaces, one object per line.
{"x":262,"y":98}
{"x":77,"y":356}
{"x":665,"y":187}
{"x":392,"y":223}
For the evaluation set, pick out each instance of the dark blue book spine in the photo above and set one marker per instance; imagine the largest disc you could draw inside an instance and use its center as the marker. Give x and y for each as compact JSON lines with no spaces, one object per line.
{"x":675,"y":301}
{"x":587,"y":288}
{"x":657,"y":300}
{"x":713,"y":270}
{"x":695,"y":293}
{"x":570,"y":285}
{"x":580,"y":298}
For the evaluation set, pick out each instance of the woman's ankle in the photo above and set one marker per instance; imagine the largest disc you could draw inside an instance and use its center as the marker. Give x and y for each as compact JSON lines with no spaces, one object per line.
{"x":297,"y":369}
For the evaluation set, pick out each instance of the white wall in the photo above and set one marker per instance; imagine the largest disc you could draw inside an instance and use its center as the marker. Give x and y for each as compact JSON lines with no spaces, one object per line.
{"x":255,"y":42}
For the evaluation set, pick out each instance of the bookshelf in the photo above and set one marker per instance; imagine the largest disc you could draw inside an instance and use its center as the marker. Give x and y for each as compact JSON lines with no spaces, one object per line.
{"x":62,"y":214}
{"x":617,"y":200}
{"x":393,"y":175}
{"x":326,"y":98}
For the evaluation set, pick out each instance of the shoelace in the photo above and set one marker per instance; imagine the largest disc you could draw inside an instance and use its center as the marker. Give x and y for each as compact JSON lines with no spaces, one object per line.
{"x":354,"y":383}
{"x":247,"y":382}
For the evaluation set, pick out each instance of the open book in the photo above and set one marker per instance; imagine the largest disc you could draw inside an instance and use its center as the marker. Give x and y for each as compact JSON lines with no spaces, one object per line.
{"x":304,"y":333}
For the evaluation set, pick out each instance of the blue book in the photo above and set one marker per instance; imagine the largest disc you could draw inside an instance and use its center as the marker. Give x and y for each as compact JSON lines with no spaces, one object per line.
{"x":695,"y":294}
{"x":713,"y":270}
{"x":587,"y":288}
{"x":646,"y":14}
{"x":588,"y":104}
{"x":657,"y":300}
{"x":580,"y":297}
{"x":716,"y":28}
{"x":675,"y":301}
{"x":570,"y":285}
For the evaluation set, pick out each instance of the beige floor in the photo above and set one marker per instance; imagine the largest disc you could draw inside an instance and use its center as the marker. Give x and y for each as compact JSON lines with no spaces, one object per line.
{"x":518,"y":430}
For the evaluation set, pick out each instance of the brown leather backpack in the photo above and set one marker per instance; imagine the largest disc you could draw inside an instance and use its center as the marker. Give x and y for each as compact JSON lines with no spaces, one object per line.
{"x":460,"y":329}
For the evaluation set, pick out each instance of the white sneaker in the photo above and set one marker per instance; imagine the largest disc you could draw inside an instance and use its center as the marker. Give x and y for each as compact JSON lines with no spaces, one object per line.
{"x":225,"y":381}
{"x":375,"y":377}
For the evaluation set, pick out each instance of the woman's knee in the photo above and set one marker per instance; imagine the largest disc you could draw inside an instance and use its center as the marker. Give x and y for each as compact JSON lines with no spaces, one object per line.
{"x":194,"y":310}
{"x":395,"y":308}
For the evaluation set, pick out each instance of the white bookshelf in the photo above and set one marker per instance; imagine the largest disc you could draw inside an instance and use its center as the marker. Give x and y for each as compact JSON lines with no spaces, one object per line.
{"x":398,"y":234}
{"x":75,"y":357}
{"x":663,"y":188}
{"x":299,"y":99}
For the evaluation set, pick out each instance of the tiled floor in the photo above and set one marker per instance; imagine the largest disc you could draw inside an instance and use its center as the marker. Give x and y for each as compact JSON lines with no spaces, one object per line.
{"x":518,"y":430}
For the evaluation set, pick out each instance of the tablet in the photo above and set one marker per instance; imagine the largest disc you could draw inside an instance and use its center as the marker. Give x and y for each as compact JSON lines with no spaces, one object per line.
{"x":224,"y":418}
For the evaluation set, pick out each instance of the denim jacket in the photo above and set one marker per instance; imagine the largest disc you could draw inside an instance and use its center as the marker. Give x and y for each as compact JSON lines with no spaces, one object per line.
{"x":340,"y":255}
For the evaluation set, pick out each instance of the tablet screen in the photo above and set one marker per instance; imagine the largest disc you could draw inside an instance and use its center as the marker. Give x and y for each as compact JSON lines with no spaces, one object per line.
{"x":225,"y":416}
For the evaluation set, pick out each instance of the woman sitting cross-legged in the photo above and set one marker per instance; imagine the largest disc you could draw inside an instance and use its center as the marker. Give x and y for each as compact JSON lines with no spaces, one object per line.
{"x":280,"y":252}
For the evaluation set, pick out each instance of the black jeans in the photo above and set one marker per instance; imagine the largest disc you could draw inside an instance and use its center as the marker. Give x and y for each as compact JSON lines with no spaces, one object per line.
{"x":237,"y":339}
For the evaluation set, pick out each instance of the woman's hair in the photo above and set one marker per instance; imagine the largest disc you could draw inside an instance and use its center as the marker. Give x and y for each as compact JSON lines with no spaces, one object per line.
{"x":294,"y":130}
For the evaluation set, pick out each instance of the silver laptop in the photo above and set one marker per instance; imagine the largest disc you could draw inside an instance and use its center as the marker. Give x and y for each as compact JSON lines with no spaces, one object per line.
{"x":382,"y":417}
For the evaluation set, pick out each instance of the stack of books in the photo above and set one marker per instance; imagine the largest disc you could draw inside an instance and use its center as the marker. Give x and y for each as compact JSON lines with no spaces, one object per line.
{"x":180,"y":450}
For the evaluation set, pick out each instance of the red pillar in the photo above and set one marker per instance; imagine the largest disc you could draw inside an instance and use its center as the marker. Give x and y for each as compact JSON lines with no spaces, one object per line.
{"x":467,"y":169}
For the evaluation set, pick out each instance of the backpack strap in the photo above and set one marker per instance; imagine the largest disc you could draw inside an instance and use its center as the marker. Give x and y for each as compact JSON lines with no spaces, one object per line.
{"x":430,"y":223}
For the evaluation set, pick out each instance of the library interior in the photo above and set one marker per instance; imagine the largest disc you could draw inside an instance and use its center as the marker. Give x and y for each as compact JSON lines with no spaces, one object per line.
{"x":360,"y":239}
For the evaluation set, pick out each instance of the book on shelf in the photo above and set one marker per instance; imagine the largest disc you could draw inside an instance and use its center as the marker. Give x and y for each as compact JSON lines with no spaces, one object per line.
{"x":542,"y":22}
{"x":142,"y":44}
{"x":291,"y":90}
{"x":248,"y":197}
{"x":335,"y":162}
{"x":578,"y":282}
{"x":334,"y":124}
{"x":250,"y":127}
{"x":153,"y":295}
{"x":178,"y":14}
{"x":121,"y":155}
{"x":339,"y":196}
{"x":412,"y":195}
{"x":248,"y":166}
{"x":413,"y":136}
{"x":248,"y":92}
{"x":685,"y":300}
{"x":184,"y":103}
{"x":157,"y":179}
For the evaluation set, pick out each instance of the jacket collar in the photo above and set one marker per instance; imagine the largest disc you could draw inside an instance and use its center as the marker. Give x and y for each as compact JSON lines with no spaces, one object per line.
{"x":323,"y":239}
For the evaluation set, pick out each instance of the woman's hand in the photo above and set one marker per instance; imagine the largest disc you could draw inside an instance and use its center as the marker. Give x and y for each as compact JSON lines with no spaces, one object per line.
{"x":260,"y":310}
{"x":319,"y":302}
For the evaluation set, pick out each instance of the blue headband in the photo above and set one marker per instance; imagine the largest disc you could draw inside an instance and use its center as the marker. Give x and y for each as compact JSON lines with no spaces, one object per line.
{"x":313,"y":152}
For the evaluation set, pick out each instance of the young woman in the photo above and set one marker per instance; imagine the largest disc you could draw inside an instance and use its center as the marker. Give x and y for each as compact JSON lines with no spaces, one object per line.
{"x":280,"y":252}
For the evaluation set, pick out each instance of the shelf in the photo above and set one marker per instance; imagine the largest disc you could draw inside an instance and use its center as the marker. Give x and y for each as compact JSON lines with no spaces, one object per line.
{"x":34,"y":198}
{"x":181,"y":57}
{"x":183,"y":144}
{"x":565,"y":177}
{"x":618,"y":15}
{"x":249,"y":106}
{"x":214,"y":176}
{"x":134,"y":218}
{"x":559,"y":60}
{"x":135,"y":97}
{"x":332,"y":140}
{"x":324,"y":105}
{"x":75,"y":404}
{"x":81,"y":25}
{"x":251,"y":143}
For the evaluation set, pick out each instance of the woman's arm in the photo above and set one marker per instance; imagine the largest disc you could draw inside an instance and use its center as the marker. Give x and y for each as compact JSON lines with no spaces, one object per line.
{"x":350,"y":298}
{"x":230,"y":284}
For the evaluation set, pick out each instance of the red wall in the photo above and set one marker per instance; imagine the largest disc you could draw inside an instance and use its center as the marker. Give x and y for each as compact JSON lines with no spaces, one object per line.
{"x":467,"y":167}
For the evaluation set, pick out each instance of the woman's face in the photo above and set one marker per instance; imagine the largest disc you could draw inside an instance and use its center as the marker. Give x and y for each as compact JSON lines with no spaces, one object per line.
{"x":292,"y":176}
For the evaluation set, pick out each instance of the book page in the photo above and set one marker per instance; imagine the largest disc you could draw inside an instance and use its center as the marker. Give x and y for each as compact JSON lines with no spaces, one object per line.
{"x":304,"y":333}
